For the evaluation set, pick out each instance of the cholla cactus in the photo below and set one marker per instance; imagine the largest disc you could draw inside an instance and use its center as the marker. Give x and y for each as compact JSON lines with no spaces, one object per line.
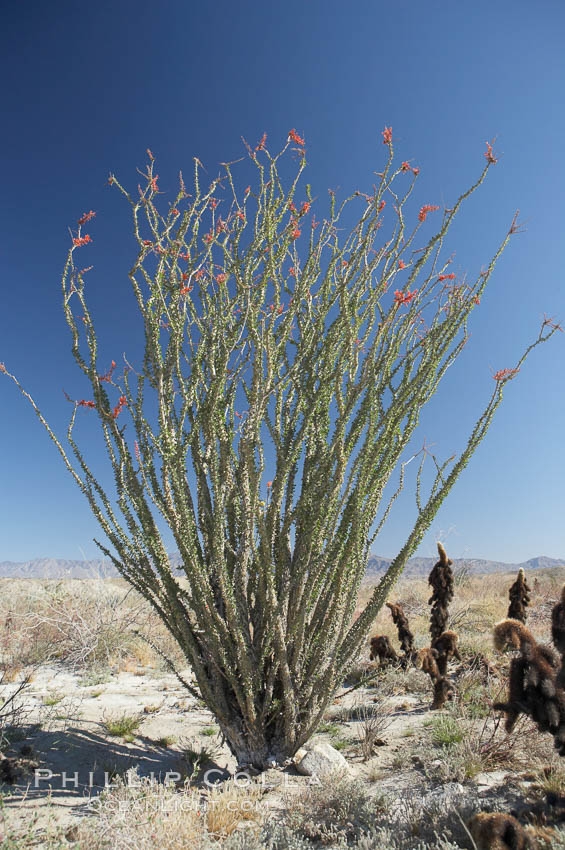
{"x":447,"y":648}
{"x":498,"y":831}
{"x":427,"y":660}
{"x":533,"y":686}
{"x":280,"y":387}
{"x":558,"y":623}
{"x":405,"y":636}
{"x":558,"y":635}
{"x":441,"y":580}
{"x":381,"y":649}
{"x":519,"y":595}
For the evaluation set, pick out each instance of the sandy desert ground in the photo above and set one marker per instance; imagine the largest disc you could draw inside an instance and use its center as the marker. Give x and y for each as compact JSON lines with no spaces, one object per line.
{"x":101,"y":709}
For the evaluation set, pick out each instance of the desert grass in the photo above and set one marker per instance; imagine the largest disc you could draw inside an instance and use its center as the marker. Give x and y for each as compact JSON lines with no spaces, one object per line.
{"x":88,"y":624}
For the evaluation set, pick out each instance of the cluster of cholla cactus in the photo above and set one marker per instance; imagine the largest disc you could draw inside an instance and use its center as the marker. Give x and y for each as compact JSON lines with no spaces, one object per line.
{"x":537,"y":676}
{"x":519,"y":595}
{"x":432,"y":660}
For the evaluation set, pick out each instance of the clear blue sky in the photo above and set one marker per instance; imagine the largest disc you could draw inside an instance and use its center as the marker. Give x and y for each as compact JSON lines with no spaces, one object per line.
{"x":88,"y":87}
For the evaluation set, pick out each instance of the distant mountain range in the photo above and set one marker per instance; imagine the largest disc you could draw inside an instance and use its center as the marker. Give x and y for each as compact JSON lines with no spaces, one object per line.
{"x":58,"y":568}
{"x":479,"y":566}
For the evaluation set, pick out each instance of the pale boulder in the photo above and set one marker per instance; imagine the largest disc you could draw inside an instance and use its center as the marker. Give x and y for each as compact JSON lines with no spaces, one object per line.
{"x":319,"y":759}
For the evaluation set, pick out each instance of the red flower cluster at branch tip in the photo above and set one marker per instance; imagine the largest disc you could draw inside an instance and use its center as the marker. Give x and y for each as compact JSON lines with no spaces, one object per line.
{"x":446,"y":276}
{"x":199,"y":274}
{"x":137,"y":450}
{"x":121,"y":403}
{"x":79,"y":241}
{"x":86,"y":217}
{"x":269,"y":484}
{"x":476,"y":299}
{"x":108,"y":375}
{"x":213,"y":203}
{"x":241,"y":215}
{"x":150,"y":155}
{"x":221,"y":278}
{"x":147,"y":242}
{"x":296,"y":138}
{"x":547,"y":321}
{"x":505,"y":374}
{"x":209,"y":238}
{"x":186,"y":289}
{"x":174,"y":211}
{"x":261,"y":145}
{"x":425,"y":210}
{"x":295,"y":233}
{"x":404,"y":298}
{"x":415,"y":171}
{"x":382,"y":205}
{"x":291,"y":207}
{"x":3,"y":368}
{"x":291,"y":272}
{"x":490,"y":157}
{"x":154,"y":183}
{"x":387,"y":135}
{"x":405,"y":166}
{"x":305,"y":207}
{"x":401,"y":264}
{"x":84,"y":403}
{"x":247,"y":191}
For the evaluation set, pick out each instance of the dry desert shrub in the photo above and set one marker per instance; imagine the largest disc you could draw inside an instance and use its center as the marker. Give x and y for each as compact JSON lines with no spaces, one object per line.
{"x":141,"y":813}
{"x":230,"y":806}
{"x":81,"y":623}
{"x":340,"y":809}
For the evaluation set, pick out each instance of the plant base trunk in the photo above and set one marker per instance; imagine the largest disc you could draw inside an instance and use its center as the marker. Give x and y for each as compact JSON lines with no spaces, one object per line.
{"x":258,"y":750}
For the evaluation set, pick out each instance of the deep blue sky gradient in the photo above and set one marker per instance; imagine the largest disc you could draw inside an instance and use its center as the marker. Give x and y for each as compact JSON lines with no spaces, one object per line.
{"x":88,"y":87}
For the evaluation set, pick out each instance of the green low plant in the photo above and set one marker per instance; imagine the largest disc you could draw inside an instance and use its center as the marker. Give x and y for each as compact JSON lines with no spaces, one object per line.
{"x":446,"y":730}
{"x":123,"y":726}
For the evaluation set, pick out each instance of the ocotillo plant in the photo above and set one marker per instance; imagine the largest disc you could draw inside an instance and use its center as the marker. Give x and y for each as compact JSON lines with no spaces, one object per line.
{"x":287,"y":382}
{"x":519,"y":595}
